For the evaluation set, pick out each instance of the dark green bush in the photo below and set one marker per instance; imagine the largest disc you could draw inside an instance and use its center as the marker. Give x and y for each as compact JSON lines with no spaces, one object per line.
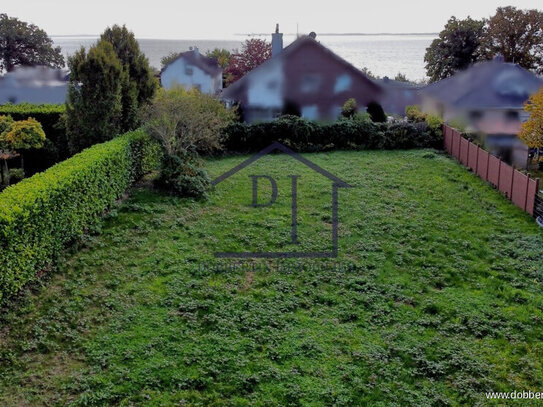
{"x":376,"y":112}
{"x":182,"y":176}
{"x":51,"y":117}
{"x":346,"y":134}
{"x":43,"y":213}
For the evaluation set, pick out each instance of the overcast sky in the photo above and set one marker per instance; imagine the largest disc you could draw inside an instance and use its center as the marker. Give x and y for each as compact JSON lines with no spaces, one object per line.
{"x":204,"y":19}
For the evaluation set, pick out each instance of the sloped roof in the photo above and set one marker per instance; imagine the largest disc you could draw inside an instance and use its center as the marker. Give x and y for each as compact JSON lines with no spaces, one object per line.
{"x":490,"y":84}
{"x":208,"y":65}
{"x":232,"y":91}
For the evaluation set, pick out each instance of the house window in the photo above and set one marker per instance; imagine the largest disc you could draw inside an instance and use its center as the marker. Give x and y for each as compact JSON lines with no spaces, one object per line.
{"x":475,"y":115}
{"x":310,"y":112}
{"x":310,"y":83}
{"x":512,"y":115}
{"x":189,"y":70}
{"x":343,"y":83}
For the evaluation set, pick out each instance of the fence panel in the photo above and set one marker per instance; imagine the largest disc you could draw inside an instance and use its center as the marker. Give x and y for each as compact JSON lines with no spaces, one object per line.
{"x":455,"y":141}
{"x":520,"y":189}
{"x":464,"y":145}
{"x":506,"y":179}
{"x":473,"y":156}
{"x":482,"y":164}
{"x":494,"y":170}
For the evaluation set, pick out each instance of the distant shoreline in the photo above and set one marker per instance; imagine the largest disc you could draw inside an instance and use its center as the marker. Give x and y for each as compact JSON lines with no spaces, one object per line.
{"x":346,"y":34}
{"x":259,"y":35}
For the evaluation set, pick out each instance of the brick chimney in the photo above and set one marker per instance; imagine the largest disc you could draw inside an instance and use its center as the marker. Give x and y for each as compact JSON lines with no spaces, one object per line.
{"x":277,"y":42}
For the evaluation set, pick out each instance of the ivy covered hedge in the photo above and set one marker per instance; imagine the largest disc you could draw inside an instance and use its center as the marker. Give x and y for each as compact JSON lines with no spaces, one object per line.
{"x":51,"y":119}
{"x":345,"y":134}
{"x":43,"y":213}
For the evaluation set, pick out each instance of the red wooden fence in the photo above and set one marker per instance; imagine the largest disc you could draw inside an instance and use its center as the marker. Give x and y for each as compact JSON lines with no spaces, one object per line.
{"x":518,"y":187}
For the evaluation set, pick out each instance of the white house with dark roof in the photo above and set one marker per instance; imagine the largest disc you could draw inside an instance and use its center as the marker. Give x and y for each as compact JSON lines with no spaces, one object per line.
{"x":193,"y":70}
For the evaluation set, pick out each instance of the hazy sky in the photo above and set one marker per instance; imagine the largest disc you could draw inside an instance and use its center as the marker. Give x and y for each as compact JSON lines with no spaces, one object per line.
{"x":204,"y":19}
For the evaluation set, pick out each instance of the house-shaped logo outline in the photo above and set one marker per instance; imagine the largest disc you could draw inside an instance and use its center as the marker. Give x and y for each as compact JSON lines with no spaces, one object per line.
{"x":336,"y":183}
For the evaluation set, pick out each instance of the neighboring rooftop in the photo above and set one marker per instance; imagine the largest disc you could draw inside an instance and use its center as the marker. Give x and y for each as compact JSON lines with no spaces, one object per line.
{"x":208,"y":65}
{"x":486,"y":85}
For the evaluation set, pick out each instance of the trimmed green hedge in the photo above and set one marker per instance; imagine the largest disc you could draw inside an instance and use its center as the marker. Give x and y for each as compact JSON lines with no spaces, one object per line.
{"x":51,"y":119}
{"x":344,"y":134}
{"x":41,"y":214}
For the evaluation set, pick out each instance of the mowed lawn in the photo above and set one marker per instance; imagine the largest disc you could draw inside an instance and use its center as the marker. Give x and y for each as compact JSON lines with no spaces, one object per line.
{"x":435,"y":298}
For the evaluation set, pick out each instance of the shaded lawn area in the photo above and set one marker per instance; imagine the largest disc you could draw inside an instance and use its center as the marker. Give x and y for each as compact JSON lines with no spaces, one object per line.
{"x":442,"y":300}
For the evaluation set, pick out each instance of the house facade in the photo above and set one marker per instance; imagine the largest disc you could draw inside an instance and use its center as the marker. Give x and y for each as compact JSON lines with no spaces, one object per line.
{"x":193,"y":70}
{"x":489,"y":98}
{"x":305,"y":77}
{"x":34,"y":84}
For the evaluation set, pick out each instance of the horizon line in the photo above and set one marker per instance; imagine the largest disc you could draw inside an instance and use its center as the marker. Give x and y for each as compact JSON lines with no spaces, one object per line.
{"x":258,"y":34}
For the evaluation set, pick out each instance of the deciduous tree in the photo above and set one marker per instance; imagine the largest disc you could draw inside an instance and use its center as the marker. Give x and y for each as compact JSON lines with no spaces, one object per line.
{"x":455,"y":49}
{"x":517,"y":35}
{"x":185,"y":123}
{"x":26,"y":44}
{"x":16,"y":136}
{"x":531,"y":132}
{"x":253,"y":53}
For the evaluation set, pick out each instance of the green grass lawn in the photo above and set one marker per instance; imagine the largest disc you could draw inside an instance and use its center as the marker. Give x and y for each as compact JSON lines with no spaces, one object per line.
{"x":438,"y":298}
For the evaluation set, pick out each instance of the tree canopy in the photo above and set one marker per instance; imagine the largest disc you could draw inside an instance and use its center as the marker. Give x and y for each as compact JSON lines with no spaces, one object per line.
{"x":455,"y":48}
{"x":139,"y":85}
{"x":26,"y":44}
{"x":94,"y":104}
{"x":515,"y":34}
{"x":253,"y":53}
{"x":531,"y":132}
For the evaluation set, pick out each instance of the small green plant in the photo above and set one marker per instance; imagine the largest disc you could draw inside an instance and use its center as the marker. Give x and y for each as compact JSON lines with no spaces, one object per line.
{"x":349,"y":108}
{"x":16,"y":175}
{"x":414,"y":114}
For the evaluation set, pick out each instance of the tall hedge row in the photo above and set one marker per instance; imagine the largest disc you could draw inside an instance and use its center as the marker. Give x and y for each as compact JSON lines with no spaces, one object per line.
{"x":347,"y":134}
{"x":41,"y":214}
{"x":51,"y":119}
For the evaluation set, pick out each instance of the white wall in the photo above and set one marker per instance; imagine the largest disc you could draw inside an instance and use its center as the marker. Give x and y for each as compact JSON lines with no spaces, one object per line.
{"x":175,"y":74}
{"x":265,"y":89}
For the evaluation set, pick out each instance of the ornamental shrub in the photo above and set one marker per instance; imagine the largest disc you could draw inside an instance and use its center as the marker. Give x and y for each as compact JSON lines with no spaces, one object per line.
{"x":43,"y":213}
{"x":52,"y":120}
